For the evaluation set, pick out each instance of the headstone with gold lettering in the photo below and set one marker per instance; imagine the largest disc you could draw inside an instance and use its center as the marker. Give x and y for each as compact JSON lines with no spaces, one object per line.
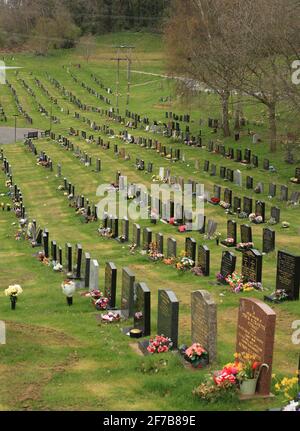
{"x":255,"y":336}
{"x":288,"y":274}
{"x":167,"y":315}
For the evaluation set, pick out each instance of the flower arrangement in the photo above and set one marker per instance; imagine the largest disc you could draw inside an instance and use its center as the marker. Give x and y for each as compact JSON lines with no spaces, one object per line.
{"x":220,"y":278}
{"x":242,"y":215}
{"x":254,"y":218}
{"x":278,"y":295}
{"x":57,"y":267}
{"x":215,"y":201}
{"x":285,"y":225}
{"x":68,"y":289}
{"x":288,"y":386}
{"x":160,"y":344}
{"x":153,"y":252}
{"x":184,"y":264}
{"x":101,"y":303}
{"x":110,"y":317}
{"x":247,"y":365}
{"x":196,"y":355}
{"x":238,"y":284}
{"x":197,"y":270}
{"x":169,"y":261}
{"x":224,"y":205}
{"x":244,"y":245}
{"x":13,"y":291}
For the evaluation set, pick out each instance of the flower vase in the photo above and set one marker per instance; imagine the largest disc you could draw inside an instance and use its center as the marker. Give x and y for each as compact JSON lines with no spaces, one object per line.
{"x":13,"y":302}
{"x":248,"y":387}
{"x":70,"y":300}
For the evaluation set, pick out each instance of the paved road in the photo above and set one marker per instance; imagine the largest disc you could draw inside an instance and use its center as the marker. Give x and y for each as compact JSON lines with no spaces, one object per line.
{"x":7,"y":134}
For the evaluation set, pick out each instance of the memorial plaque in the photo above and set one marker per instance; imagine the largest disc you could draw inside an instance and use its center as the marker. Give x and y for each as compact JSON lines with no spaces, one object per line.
{"x":167,"y":315}
{"x":288,"y":274}
{"x":231,"y":231}
{"x":204,"y":259}
{"x":246,"y":233}
{"x":255,"y":161}
{"x":255,"y":336}
{"x":204,"y":322}
{"x":252,"y":265}
{"x":77,"y":261}
{"x":229,"y":175}
{"x":87,"y":266}
{"x":227,"y":264}
{"x":228,"y":196}
{"x":284,"y":193}
{"x":171,"y":247}
{"x":110,"y":284}
{"x":217,"y":191}
{"x":275,"y":214}
{"x":272,"y":190}
{"x":266,"y":164}
{"x":94,"y":275}
{"x":54,"y":251}
{"x":190,"y":249}
{"x":160,"y":243}
{"x":260,"y":209}
{"x":247,"y":205}
{"x":142,"y":308}
{"x":237,"y":204}
{"x":268,"y":240}
{"x":206,"y":166}
{"x":69,"y":258}
{"x":249,"y":182}
{"x":136,"y":235}
{"x":222,"y":172}
{"x":147,"y":238}
{"x":127,"y":293}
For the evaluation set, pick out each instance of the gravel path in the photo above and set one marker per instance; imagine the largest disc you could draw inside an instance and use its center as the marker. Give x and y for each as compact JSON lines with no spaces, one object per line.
{"x":7,"y":134}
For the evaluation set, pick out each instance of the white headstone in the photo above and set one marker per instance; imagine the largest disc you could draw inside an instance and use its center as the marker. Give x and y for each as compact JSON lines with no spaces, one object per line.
{"x":94,"y":275}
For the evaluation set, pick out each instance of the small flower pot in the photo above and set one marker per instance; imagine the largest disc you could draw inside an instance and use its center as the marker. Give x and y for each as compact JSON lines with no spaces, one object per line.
{"x":248,"y":387}
{"x":69,"y":301}
{"x":13,"y":302}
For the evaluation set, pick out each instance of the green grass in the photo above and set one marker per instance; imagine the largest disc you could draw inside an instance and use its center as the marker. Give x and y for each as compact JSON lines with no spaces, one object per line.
{"x":59,"y":358}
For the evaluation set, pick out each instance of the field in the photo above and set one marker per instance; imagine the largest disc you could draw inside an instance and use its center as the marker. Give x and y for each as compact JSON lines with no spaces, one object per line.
{"x":60,"y":358}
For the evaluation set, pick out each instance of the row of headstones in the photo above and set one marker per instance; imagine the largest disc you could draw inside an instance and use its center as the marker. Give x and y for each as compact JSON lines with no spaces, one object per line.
{"x":255,"y":331}
{"x":91,"y":90}
{"x":69,"y":146}
{"x":20,"y":108}
{"x":247,"y":207}
{"x":255,"y":326}
{"x":41,"y":108}
{"x":71,"y":96}
{"x":268,"y":239}
{"x":287,"y":270}
{"x":235,"y":176}
{"x":79,"y":201}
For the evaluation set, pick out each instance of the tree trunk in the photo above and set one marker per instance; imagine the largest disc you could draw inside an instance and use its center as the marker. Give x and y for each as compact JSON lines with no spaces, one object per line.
{"x":272,"y":127}
{"x":225,"y":114}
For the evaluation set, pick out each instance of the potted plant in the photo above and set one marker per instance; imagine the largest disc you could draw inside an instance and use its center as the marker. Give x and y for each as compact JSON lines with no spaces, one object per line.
{"x":13,"y":292}
{"x":248,"y":372}
{"x":159,"y":344}
{"x":196,"y":355}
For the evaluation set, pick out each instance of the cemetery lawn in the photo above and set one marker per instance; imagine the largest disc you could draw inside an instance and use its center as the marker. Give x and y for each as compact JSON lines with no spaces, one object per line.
{"x":61,"y":358}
